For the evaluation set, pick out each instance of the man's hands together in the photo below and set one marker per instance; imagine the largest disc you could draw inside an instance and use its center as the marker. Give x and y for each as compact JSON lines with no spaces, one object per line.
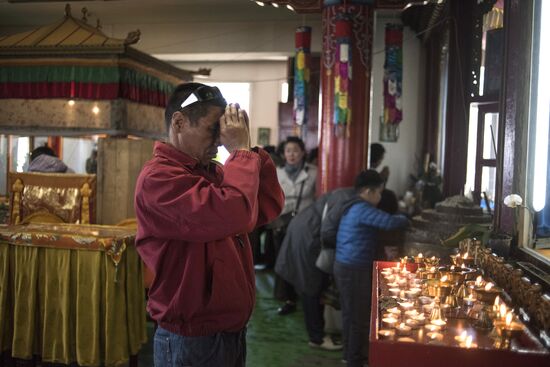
{"x":234,"y":128}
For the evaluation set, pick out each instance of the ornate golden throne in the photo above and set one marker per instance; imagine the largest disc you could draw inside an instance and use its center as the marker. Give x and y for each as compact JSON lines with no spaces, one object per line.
{"x":52,"y":197}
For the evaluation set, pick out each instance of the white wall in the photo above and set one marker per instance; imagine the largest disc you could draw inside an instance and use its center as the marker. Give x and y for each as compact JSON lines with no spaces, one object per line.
{"x":75,"y":153}
{"x":402,"y":156}
{"x":265,"y":78}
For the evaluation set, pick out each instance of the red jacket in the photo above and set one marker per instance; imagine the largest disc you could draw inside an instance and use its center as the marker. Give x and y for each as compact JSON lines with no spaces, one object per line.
{"x":192,"y":233}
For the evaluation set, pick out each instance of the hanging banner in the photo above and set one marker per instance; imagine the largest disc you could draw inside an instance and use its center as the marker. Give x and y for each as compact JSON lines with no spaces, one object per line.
{"x":302,"y":74}
{"x":342,"y":73}
{"x":393,"y":74}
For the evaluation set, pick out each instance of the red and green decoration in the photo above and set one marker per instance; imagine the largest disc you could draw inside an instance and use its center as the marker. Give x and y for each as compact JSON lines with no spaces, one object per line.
{"x":302,"y":71}
{"x":342,"y":74}
{"x":82,"y":82}
{"x":393,"y":74}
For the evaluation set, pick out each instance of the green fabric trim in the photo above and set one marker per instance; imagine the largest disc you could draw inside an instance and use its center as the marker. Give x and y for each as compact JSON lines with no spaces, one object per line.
{"x":83,"y":74}
{"x":145,"y":81}
{"x":45,"y":73}
{"x":66,"y":306}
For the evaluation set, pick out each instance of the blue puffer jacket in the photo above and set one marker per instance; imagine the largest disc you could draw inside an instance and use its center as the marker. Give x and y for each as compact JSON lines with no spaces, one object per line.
{"x":357,"y":234}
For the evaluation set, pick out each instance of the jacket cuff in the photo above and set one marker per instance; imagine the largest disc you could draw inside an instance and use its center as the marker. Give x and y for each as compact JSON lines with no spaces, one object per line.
{"x":247,"y":154}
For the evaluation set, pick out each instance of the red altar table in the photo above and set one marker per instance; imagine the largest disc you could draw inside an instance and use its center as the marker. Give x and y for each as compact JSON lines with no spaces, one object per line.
{"x":526,"y":350}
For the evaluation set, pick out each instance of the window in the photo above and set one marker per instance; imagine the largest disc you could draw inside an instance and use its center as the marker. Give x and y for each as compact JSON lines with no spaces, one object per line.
{"x":233,"y":93}
{"x":535,"y":226}
{"x":481,"y":171}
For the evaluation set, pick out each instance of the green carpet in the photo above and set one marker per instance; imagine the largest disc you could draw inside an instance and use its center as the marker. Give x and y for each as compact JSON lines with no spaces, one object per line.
{"x":272,"y":340}
{"x":281,"y":341}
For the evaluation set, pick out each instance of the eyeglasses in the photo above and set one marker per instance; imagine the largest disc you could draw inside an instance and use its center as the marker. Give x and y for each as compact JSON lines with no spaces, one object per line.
{"x":202,"y":94}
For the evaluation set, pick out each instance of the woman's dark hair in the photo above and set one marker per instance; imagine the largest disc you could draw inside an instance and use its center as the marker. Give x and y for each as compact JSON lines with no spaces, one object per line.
{"x":42,"y":150}
{"x":376,"y":153}
{"x":312,"y":155}
{"x":296,"y":140}
{"x":280,"y":151}
{"x":368,"y":179}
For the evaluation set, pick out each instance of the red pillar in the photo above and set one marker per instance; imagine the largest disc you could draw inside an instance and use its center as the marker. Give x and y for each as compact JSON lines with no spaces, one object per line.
{"x":344,"y":148}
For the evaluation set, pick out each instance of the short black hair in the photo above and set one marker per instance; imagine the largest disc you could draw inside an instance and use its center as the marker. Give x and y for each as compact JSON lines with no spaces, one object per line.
{"x":368,"y":179}
{"x":296,"y":140}
{"x":270,"y":149}
{"x":194,"y":111}
{"x":42,"y":150}
{"x":377,"y":151}
{"x":280,"y":148}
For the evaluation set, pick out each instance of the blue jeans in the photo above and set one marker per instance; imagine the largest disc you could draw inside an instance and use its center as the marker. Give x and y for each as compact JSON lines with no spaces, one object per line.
{"x":219,"y":350}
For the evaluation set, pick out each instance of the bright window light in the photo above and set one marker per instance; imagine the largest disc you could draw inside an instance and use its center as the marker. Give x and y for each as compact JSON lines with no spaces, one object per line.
{"x":543,"y":111}
{"x":23,"y":150}
{"x":233,"y":93}
{"x":284,"y":92}
{"x":472,"y":147}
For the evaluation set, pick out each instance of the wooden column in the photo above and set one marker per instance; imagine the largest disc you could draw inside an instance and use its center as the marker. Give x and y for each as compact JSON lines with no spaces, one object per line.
{"x":513,"y":130}
{"x":456,"y":131}
{"x":344,"y":153}
{"x":119,"y":162}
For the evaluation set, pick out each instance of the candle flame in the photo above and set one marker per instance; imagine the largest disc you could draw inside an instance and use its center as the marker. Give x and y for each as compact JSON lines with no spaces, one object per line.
{"x":420,"y":255}
{"x":479,"y":280}
{"x":509,"y":318}
{"x":503,"y":310}
{"x":463,"y":335}
{"x":469,"y":341}
{"x":463,"y":266}
{"x":497,"y":300}
{"x":433,"y":257}
{"x":488,"y":286}
{"x":465,"y":255}
{"x":452,"y":267}
{"x":443,"y":278}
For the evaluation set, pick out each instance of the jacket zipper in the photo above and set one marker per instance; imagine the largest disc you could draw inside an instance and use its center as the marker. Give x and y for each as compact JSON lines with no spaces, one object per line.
{"x":246,"y":270}
{"x":240,"y":240}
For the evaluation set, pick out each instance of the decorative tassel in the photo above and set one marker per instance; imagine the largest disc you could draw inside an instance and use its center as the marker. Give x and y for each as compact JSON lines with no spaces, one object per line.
{"x":393,"y":74}
{"x":342,"y":76}
{"x":302,"y":74}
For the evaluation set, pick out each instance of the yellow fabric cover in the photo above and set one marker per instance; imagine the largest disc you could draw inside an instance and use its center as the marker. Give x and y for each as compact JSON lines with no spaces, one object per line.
{"x":65,"y":306}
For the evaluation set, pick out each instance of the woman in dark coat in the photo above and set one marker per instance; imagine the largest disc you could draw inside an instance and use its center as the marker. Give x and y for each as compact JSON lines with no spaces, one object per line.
{"x":296,"y":262}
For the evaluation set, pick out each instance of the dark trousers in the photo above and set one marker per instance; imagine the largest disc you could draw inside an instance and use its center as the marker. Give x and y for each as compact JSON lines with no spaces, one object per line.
{"x":221,"y":349}
{"x":265,"y":255}
{"x":355,"y":285}
{"x":314,"y":317}
{"x":284,"y":291}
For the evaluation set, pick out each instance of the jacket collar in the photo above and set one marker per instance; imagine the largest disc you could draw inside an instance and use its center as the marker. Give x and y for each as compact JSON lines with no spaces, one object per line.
{"x":179,"y":158}
{"x":303,"y":175}
{"x":170,"y":153}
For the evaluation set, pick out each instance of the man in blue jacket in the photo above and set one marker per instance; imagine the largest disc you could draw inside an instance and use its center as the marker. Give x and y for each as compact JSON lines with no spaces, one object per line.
{"x":356,"y":244}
